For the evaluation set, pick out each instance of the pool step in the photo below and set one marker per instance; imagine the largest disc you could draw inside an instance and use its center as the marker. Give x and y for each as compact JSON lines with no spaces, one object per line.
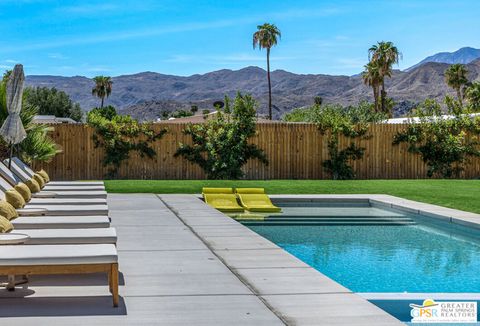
{"x":322,"y":220}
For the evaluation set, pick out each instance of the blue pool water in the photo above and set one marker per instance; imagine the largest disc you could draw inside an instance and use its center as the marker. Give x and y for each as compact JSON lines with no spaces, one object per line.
{"x":424,"y":256}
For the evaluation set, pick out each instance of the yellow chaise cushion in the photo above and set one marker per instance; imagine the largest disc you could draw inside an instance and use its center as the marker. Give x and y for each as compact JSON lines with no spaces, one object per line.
{"x":33,"y":185}
{"x":24,"y":191}
{"x":39,"y":179}
{"x":14,"y":198}
{"x":44,"y":175}
{"x":207,"y":190}
{"x":250,"y":190}
{"x":258,"y":203}
{"x":5,"y":225}
{"x":7,"y":210}
{"x":223,"y":202}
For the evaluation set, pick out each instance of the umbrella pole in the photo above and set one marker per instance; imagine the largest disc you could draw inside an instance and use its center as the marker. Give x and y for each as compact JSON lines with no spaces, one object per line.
{"x":11,"y":154}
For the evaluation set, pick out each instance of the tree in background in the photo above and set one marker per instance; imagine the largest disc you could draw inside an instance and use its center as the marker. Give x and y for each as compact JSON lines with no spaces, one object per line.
{"x":318,"y":100}
{"x":456,"y":78}
{"x":103,"y":88}
{"x":266,"y":37}
{"x":38,"y":145}
{"x":220,"y":145}
{"x":51,"y":101}
{"x":384,"y":55}
{"x":372,"y":78}
{"x":472,"y":94}
{"x":194,"y":108}
{"x":445,"y":143}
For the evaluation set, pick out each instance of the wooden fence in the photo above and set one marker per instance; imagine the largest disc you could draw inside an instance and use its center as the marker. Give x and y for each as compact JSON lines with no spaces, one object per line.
{"x":295,"y":151}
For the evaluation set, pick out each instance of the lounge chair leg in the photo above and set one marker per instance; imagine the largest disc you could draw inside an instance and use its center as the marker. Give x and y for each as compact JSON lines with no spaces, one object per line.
{"x":114,"y":283}
{"x":11,"y":283}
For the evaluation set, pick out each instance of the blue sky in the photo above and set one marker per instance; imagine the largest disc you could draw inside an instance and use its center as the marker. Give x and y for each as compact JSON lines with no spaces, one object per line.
{"x":194,"y":36}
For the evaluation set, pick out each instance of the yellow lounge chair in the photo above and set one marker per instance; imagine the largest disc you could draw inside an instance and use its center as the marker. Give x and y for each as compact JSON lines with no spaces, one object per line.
{"x":255,"y":200}
{"x":222,"y":199}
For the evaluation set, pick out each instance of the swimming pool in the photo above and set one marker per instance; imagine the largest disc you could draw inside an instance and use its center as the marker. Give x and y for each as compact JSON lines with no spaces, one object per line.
{"x":373,"y":249}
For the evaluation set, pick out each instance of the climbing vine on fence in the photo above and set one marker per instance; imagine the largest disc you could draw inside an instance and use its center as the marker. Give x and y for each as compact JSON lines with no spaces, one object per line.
{"x":220,"y":146}
{"x":446,"y":143}
{"x":119,"y":135}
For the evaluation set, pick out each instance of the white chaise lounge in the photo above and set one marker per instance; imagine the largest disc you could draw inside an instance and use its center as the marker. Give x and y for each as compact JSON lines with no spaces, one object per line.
{"x":25,"y":168}
{"x":62,"y":259}
{"x":54,"y":191}
{"x":42,"y":201}
{"x":23,"y":176}
{"x":60,"y":222}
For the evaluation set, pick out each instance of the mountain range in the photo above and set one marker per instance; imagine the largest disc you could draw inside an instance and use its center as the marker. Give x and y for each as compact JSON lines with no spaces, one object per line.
{"x":146,"y":95}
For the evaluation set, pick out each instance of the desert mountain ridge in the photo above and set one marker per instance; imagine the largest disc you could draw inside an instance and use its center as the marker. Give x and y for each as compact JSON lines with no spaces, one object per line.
{"x":146,"y":95}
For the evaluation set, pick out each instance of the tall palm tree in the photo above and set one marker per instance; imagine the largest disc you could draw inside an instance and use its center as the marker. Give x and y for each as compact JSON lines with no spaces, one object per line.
{"x":103,"y":87}
{"x":456,"y":78}
{"x":372,"y":78}
{"x":267,"y":36}
{"x":384,"y":55}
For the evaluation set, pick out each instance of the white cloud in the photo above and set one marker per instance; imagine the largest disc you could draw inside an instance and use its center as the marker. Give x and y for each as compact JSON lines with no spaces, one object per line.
{"x":88,"y":9}
{"x":160,"y":30}
{"x":241,"y":58}
{"x":348,"y":63}
{"x":58,"y":56}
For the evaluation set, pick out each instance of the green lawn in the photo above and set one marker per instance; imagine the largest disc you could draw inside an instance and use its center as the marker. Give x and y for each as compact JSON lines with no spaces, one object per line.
{"x":460,"y":194}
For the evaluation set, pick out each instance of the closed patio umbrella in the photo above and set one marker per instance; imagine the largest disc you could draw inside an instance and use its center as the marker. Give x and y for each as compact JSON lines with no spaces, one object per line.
{"x":12,"y":129}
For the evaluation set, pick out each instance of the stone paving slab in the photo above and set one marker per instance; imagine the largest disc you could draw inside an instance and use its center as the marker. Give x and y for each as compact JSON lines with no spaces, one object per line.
{"x":239,"y":242}
{"x":168,"y":310}
{"x":267,"y":281}
{"x":328,"y":309}
{"x":259,"y":258}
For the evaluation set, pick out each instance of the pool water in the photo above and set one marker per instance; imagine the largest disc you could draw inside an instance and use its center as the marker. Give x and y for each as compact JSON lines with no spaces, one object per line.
{"x":423,"y":256}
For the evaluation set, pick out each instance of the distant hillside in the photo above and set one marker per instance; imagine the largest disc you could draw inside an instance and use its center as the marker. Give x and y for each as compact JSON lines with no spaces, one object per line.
{"x":464,"y":56}
{"x":145,"y":95}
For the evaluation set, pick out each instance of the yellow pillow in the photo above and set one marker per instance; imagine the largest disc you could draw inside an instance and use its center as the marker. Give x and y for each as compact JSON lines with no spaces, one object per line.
{"x":33,"y":185}
{"x":39,"y":179}
{"x":14,"y":198}
{"x":44,"y":175}
{"x":7,"y":210}
{"x":5,"y":225}
{"x":24,"y":191}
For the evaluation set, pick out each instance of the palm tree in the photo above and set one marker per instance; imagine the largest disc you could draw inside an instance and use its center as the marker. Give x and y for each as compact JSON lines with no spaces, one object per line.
{"x":472,"y":94}
{"x":266,"y":37}
{"x":103,"y":87}
{"x":456,"y":78}
{"x":372,"y":78}
{"x":384,"y":55}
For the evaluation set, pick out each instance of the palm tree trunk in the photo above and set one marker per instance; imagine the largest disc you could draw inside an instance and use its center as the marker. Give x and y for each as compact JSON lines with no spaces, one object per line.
{"x":383,"y":95}
{"x":375,"y":97}
{"x":459,"y":95}
{"x":101,"y":105}
{"x":269,"y":86}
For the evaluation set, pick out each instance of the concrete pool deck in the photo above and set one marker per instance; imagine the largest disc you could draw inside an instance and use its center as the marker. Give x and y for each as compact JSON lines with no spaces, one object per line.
{"x":184,"y":263}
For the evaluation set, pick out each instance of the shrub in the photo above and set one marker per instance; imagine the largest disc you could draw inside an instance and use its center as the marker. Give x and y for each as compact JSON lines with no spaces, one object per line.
{"x":220,"y":145}
{"x":445,"y":144}
{"x":119,"y":135}
{"x":334,"y":121}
